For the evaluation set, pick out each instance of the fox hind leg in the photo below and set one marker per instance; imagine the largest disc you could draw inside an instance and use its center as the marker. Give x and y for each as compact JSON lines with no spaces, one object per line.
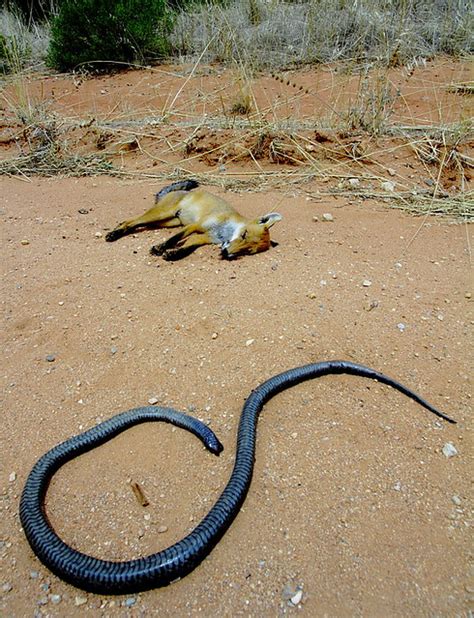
{"x":161,"y":215}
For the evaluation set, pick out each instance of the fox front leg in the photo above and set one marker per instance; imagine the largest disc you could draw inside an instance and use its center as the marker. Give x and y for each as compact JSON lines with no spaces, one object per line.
{"x":174,"y":240}
{"x":190,"y":245}
{"x":167,"y":244}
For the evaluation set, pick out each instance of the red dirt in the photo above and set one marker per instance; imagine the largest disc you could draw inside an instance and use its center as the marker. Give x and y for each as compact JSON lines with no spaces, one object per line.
{"x":352,"y":500}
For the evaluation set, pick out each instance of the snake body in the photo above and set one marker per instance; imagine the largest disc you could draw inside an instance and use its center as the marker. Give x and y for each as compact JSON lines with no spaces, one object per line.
{"x":164,"y":567}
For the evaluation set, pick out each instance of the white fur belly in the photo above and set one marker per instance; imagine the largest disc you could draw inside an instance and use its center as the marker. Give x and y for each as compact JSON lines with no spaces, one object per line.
{"x":188,"y":212}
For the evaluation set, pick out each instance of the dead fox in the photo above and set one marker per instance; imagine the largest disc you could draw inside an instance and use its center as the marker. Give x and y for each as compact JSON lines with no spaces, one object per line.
{"x":206,"y":219}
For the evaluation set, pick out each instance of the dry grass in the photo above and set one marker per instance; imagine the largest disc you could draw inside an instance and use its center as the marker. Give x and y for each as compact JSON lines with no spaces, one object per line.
{"x":281,"y":34}
{"x":340,"y":140}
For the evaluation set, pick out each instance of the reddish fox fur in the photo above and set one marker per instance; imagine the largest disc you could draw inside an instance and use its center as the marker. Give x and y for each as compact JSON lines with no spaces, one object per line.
{"x":205,"y":219}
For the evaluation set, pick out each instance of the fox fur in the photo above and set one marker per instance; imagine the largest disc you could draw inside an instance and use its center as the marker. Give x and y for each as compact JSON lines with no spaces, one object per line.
{"x":205,"y":219}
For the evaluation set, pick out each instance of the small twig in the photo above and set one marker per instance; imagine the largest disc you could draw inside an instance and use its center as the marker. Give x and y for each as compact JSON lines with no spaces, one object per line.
{"x":139,"y":495}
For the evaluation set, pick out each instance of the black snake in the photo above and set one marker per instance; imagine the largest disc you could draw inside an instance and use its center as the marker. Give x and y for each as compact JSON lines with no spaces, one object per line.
{"x":162,"y":568}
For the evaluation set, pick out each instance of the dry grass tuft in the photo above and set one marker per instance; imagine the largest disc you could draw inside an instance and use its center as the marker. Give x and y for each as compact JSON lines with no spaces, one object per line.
{"x":280,"y":34}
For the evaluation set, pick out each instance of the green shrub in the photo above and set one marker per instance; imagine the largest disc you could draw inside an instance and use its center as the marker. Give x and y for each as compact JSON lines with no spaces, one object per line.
{"x":109,"y":31}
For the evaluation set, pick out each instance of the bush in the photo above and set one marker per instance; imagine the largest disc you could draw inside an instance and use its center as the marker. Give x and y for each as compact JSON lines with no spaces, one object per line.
{"x":108,"y":30}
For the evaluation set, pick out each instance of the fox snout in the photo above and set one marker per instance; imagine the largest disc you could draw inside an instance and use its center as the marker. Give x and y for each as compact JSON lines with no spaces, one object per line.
{"x":226,"y":255}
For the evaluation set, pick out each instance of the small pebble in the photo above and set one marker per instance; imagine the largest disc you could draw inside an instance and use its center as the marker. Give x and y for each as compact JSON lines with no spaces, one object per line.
{"x":354,"y":182}
{"x":55,"y":598}
{"x":153,"y":400}
{"x":327,"y":216}
{"x":373,"y":304}
{"x":249,"y":342}
{"x":162,"y":529}
{"x":468,"y":295}
{"x":113,"y":349}
{"x":130,"y":602}
{"x":7,"y":587}
{"x":25,"y":241}
{"x":34,"y":574}
{"x":80,"y":601}
{"x":50,"y":358}
{"x":12,"y":477}
{"x":401,"y":327}
{"x":388,"y":186}
{"x":98,"y":234}
{"x":456,"y":500}
{"x":366,"y":283}
{"x":214,"y":336}
{"x":296,"y":598}
{"x":391,"y":171}
{"x":449,"y":450}
{"x":397,"y":486}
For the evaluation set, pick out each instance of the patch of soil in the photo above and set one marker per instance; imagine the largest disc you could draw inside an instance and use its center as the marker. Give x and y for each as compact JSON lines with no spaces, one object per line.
{"x":352,"y":501}
{"x":353,"y":509}
{"x":164,"y":119}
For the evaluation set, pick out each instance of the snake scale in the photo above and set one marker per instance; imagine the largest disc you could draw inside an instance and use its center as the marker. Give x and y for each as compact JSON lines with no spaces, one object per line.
{"x":168,"y":565}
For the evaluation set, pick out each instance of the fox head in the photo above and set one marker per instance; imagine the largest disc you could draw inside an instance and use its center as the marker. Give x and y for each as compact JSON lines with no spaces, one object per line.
{"x":253,"y":237}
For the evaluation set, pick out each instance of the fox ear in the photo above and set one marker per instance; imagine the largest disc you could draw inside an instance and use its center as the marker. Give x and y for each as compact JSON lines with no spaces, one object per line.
{"x":269,"y":219}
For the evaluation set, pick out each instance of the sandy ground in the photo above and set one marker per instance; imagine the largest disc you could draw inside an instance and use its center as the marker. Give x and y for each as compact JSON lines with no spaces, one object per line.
{"x":353,"y":502}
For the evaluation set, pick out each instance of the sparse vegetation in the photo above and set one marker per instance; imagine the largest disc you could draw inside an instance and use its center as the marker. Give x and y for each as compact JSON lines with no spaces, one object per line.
{"x":325,"y":125}
{"x":281,"y":34}
{"x":21,"y":45}
{"x":276,"y":34}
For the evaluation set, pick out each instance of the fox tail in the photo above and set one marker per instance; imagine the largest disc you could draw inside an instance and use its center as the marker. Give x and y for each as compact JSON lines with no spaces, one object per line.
{"x":180,"y":185}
